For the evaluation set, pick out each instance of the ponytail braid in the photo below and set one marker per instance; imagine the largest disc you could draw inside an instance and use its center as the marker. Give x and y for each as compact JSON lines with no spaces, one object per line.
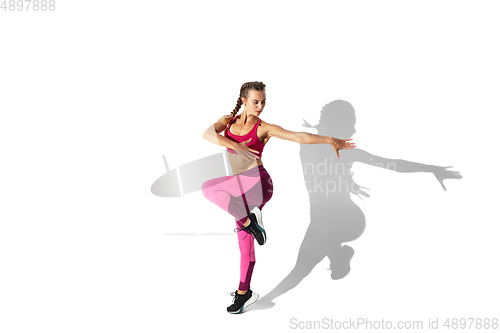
{"x":245,"y":88}
{"x":237,"y":108}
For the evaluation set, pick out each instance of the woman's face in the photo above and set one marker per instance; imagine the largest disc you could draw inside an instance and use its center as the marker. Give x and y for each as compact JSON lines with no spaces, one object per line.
{"x":255,"y":102}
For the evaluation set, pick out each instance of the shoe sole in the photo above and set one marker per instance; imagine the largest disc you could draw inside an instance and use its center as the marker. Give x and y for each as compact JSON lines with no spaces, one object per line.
{"x":258,"y":215}
{"x":250,"y":301}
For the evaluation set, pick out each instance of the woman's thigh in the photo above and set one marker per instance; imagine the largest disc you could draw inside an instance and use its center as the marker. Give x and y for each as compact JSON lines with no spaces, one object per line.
{"x":235,"y":185}
{"x":267,"y":187}
{"x":261,"y":192}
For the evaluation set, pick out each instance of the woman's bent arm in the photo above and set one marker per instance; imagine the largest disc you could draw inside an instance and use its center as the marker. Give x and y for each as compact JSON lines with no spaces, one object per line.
{"x":212,"y":133}
{"x":214,"y":137}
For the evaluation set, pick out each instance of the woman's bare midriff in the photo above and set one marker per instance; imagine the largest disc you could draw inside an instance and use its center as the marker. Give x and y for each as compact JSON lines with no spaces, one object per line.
{"x":240,"y":164}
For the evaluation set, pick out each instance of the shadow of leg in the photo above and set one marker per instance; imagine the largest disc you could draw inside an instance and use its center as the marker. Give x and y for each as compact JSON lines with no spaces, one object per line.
{"x":309,"y":257}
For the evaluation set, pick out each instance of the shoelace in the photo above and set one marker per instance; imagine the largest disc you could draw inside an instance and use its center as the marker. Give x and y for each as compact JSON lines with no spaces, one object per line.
{"x":241,"y":229}
{"x":235,"y":296}
{"x":249,"y":226}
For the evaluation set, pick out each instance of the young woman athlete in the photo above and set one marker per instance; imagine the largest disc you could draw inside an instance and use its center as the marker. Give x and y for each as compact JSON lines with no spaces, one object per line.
{"x":244,"y":194}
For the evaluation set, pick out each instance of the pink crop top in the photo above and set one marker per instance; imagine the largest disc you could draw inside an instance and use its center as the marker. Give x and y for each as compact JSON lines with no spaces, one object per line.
{"x":255,"y":143}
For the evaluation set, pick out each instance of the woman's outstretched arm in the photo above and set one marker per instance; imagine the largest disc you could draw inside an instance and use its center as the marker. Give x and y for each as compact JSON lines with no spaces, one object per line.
{"x":308,"y":138}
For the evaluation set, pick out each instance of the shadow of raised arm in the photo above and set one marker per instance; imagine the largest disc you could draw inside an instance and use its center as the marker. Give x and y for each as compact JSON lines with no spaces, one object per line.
{"x":399,"y":165}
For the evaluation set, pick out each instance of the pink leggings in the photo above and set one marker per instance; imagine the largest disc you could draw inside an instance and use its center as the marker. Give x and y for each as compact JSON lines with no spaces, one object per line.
{"x":238,"y":195}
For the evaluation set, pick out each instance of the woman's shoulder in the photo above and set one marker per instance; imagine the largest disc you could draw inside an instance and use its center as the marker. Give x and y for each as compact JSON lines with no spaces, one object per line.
{"x":226,"y":118}
{"x":223,"y":123}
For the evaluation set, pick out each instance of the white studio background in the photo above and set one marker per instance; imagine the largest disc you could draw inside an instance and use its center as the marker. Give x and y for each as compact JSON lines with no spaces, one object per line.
{"x":95,"y":92}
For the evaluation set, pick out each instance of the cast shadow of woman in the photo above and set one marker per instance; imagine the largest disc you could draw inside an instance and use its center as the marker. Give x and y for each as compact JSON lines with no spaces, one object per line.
{"x":335,"y":218}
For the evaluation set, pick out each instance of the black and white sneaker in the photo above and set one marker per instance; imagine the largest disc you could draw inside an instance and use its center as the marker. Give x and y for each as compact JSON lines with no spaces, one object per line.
{"x":256,"y":227}
{"x":240,"y":302}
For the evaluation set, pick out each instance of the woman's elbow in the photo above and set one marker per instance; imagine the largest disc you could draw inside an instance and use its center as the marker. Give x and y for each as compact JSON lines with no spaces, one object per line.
{"x":207,"y":135}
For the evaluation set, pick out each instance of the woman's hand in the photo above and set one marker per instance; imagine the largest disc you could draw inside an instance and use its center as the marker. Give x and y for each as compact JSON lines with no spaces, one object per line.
{"x":339,"y":144}
{"x":248,"y":153}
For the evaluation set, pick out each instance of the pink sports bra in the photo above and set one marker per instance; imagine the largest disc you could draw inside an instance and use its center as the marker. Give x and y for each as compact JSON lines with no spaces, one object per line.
{"x":255,"y":143}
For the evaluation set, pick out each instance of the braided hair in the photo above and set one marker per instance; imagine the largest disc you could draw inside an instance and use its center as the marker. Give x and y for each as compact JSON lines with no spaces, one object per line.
{"x":245,"y":88}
